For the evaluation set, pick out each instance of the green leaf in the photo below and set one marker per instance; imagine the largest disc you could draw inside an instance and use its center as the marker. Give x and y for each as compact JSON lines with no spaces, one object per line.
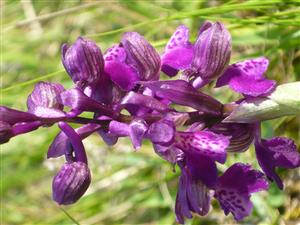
{"x":284,"y":101}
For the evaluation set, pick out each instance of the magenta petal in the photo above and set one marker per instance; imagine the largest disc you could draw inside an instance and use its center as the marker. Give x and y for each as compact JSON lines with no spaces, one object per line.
{"x":122,"y":75}
{"x":119,"y":72}
{"x":178,"y":52}
{"x":205,"y":143}
{"x":247,"y":77}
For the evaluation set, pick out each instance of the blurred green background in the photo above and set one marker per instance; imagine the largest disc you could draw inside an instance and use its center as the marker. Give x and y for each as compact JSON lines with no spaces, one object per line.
{"x":132,"y":187}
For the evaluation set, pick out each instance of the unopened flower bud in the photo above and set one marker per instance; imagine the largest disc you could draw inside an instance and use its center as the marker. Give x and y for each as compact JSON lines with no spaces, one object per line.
{"x":71,"y":183}
{"x":83,"y":61}
{"x":141,"y":55}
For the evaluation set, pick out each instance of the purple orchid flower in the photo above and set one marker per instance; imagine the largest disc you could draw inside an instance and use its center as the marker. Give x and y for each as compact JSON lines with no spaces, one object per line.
{"x":186,"y":127}
{"x":178,"y":45}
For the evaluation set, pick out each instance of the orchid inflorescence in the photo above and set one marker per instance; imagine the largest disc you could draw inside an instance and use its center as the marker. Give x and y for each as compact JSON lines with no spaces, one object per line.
{"x":126,"y":79}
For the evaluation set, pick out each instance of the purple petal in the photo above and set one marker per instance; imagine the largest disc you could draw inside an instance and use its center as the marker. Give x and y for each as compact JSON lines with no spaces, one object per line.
{"x":83,"y":61}
{"x":235,"y":186}
{"x":12,"y":116}
{"x":45,"y":95}
{"x":120,"y":73}
{"x":161,"y":132}
{"x":205,"y":143}
{"x":277,"y":152}
{"x":76,"y":99}
{"x":139,"y":100}
{"x":241,"y":134}
{"x":211,"y":52}
{"x":182,"y":93}
{"x":137,"y":130}
{"x":247,"y":77}
{"x":141,"y":55}
{"x":178,"y":52}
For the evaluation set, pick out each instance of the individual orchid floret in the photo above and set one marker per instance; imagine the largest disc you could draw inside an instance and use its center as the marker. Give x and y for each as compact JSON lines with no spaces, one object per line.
{"x":83,"y":61}
{"x":141,"y":55}
{"x":192,"y":196}
{"x":234,"y":189}
{"x":276,"y":152}
{"x":247,"y":77}
{"x":43,"y":100}
{"x":211,"y":55}
{"x":178,"y":52}
{"x":123,"y":75}
{"x":74,"y":178}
